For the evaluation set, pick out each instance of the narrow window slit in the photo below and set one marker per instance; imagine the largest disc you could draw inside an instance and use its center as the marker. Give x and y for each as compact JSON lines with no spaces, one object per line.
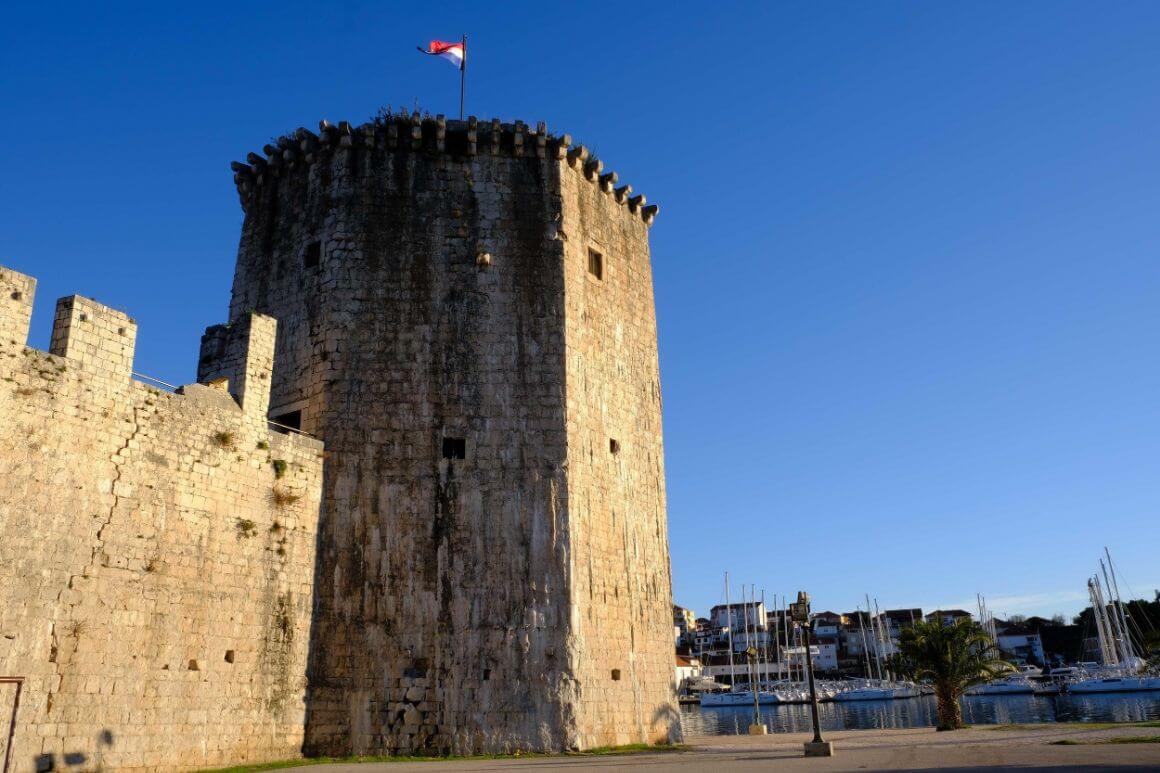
{"x":313,"y":255}
{"x":454,"y":448}
{"x":595,"y":263}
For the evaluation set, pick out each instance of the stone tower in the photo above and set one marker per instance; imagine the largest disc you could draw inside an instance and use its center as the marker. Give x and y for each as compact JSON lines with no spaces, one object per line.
{"x":465,"y":318}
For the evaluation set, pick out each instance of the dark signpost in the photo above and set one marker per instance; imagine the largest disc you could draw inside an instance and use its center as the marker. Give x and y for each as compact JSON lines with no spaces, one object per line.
{"x":800,"y":613}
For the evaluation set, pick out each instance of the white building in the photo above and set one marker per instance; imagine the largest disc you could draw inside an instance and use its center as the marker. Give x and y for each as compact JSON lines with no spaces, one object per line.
{"x":764,"y":671}
{"x":687,"y":669}
{"x":1022,"y":648}
{"x":738,"y":616}
{"x":823,"y":653}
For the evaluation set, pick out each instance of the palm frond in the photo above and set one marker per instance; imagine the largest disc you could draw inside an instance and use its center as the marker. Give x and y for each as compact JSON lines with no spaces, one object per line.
{"x":952,"y":656}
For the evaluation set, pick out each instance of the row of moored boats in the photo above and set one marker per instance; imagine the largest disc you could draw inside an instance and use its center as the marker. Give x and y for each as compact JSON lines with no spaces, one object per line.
{"x":828,"y":690}
{"x":1075,"y":681}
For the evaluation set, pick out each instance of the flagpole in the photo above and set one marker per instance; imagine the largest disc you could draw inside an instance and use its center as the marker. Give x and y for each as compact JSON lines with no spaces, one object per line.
{"x":462,"y":77}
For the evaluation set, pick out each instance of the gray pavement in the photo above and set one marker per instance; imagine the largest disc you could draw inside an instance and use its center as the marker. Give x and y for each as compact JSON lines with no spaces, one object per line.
{"x":916,"y":749}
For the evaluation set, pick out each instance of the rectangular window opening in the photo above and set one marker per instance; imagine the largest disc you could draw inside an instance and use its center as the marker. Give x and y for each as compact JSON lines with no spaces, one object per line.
{"x":313,"y":255}
{"x":454,"y":448}
{"x":595,"y":263}
{"x":614,"y":445}
{"x":616,"y":674}
{"x":287,"y":421}
{"x":417,"y":669}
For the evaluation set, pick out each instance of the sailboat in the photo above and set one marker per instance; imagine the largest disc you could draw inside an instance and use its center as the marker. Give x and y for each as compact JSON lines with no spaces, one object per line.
{"x":871,"y":688}
{"x":1011,"y":685}
{"x":1017,"y":684}
{"x":737,"y":696}
{"x":866,"y":690}
{"x":1122,"y":670}
{"x":1126,"y":683}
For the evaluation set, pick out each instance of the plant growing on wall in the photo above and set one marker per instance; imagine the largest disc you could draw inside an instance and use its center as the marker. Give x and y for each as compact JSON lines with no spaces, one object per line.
{"x":223,"y":439}
{"x":246,"y":528}
{"x":283,"y":497}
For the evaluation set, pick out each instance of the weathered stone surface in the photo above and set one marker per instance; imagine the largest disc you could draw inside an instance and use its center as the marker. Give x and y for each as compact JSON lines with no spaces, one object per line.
{"x":153,"y":595}
{"x":518,"y":578}
{"x":465,"y":316}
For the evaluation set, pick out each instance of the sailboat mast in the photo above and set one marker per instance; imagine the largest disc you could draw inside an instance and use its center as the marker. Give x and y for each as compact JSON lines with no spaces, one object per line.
{"x":1130,"y":651}
{"x":1113,"y":638}
{"x":987,"y":620}
{"x":748,"y":636}
{"x":874,"y":635}
{"x":1096,"y":618}
{"x":1106,"y":634}
{"x":775,"y":645}
{"x":729,"y":632}
{"x":885,"y":635}
{"x":865,"y":646}
{"x":765,"y":639}
{"x":785,"y":625}
{"x":1121,"y":651}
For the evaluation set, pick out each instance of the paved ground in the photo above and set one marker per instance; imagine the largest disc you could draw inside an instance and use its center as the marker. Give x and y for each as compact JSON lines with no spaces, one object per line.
{"x":920,"y":749}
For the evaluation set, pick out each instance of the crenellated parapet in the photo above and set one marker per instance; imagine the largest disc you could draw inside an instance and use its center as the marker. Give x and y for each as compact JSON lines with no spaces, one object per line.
{"x":95,"y":336}
{"x":16,"y":293}
{"x":101,"y":341}
{"x":240,"y":358}
{"x":437,"y":136}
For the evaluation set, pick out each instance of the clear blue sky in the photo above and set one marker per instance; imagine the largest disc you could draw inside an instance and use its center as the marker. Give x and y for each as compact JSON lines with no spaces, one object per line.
{"x":906,"y":265}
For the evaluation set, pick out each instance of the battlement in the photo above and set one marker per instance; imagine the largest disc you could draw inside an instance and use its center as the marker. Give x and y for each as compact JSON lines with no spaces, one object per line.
{"x":237,"y":358}
{"x":434,"y":137}
{"x":16,"y":294}
{"x":240,"y":358}
{"x":95,"y":336}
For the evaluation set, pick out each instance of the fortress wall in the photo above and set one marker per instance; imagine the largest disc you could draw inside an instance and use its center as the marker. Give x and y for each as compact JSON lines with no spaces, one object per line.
{"x":424,"y":274}
{"x":491,"y":575}
{"x":155,"y":572}
{"x":429,"y":311}
{"x":622,"y":628}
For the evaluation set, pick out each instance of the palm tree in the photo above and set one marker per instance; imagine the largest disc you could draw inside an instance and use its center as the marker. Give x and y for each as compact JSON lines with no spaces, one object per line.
{"x":900,"y":666}
{"x":952,"y":657}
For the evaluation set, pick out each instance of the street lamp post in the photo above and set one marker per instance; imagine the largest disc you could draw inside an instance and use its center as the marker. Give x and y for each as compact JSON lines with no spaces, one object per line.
{"x":756,"y":727}
{"x":800,"y":611}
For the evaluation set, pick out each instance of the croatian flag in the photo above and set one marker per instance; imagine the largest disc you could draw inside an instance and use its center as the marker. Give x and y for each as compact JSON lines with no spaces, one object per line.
{"x":456,"y":53}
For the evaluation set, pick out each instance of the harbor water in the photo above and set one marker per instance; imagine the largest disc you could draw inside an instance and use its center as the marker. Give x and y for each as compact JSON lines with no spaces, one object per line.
{"x":920,"y":712}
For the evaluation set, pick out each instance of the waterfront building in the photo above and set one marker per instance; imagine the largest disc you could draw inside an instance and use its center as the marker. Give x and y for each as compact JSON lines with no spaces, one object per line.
{"x":948,"y":616}
{"x":739,"y":616}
